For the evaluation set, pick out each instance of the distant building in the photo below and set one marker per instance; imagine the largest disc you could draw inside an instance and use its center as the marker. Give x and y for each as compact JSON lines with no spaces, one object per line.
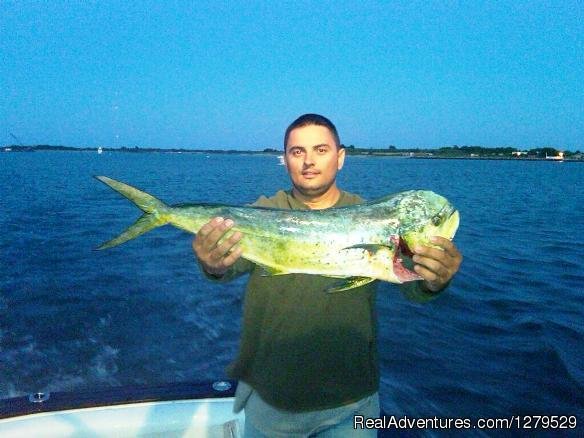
{"x":519,"y":153}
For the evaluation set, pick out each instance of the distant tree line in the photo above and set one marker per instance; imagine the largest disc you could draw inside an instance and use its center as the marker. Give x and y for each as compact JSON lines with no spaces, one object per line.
{"x":460,"y":151}
{"x":446,"y":151}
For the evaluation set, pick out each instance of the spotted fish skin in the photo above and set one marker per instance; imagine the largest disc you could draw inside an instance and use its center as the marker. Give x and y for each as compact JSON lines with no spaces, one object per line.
{"x":365,"y":242}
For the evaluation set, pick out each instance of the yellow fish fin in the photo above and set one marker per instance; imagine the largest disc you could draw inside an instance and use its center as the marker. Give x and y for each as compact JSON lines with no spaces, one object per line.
{"x":350,"y":283}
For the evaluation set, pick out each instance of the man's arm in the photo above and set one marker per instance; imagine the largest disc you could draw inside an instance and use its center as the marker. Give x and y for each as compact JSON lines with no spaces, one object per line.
{"x":417,"y":292}
{"x":240,"y":267}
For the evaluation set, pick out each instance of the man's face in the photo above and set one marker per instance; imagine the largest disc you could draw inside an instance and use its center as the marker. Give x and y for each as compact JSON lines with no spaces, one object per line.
{"x":313,"y":159}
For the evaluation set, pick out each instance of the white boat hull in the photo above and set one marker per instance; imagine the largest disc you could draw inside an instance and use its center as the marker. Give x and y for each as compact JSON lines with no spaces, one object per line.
{"x":181,"y":418}
{"x":173,"y":410}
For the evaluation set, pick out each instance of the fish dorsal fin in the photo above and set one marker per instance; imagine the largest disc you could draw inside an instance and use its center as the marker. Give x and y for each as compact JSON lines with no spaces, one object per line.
{"x":350,"y":283}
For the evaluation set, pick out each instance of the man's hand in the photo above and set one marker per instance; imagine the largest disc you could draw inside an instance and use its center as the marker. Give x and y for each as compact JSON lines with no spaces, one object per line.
{"x":214,"y":257}
{"x":437,"y":266}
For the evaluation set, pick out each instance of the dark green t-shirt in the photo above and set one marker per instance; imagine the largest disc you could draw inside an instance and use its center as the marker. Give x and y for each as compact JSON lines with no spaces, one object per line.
{"x":303,"y":348}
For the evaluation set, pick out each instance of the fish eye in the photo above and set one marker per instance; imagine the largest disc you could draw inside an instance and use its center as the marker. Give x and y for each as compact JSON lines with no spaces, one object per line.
{"x":436,"y":220}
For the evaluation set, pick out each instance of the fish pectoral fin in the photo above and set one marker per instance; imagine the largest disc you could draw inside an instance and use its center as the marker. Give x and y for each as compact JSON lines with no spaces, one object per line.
{"x":370,"y":247}
{"x":350,"y":283}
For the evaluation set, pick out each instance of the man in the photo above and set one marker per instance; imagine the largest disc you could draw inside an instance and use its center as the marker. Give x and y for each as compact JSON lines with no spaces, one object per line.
{"x":308,"y":359}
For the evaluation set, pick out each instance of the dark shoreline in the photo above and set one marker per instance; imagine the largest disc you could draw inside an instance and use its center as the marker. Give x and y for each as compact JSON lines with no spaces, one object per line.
{"x":419,"y":155}
{"x":499,"y":159}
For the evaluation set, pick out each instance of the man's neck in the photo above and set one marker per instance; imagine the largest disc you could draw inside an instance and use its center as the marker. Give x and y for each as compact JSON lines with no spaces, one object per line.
{"x":320,"y":202}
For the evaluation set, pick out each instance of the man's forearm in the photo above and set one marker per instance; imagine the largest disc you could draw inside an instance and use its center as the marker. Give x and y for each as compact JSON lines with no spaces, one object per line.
{"x":416,"y":291}
{"x":239,"y":268}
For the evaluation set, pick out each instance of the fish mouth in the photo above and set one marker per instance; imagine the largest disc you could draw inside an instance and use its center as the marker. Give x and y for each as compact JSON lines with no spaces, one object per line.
{"x":403,"y":265}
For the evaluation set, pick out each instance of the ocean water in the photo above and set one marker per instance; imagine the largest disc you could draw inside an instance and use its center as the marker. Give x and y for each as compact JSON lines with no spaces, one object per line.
{"x":507,"y":337}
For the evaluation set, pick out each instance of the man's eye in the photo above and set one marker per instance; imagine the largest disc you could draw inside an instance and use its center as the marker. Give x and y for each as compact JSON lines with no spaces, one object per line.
{"x":321,"y":150}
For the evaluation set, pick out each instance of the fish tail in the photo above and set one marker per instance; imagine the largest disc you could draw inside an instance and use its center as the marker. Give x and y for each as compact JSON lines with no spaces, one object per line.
{"x":156,"y":212}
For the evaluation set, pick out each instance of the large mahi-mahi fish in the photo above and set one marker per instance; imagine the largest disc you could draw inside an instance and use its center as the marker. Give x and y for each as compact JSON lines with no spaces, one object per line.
{"x":361,"y":243}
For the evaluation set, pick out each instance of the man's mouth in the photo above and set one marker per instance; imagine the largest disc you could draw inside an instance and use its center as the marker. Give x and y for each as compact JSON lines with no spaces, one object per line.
{"x":310,"y":174}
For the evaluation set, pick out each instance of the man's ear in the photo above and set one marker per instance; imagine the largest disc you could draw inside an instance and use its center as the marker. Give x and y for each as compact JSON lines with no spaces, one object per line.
{"x":340,"y":158}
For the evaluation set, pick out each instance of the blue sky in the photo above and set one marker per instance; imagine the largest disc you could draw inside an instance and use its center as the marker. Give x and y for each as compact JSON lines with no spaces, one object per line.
{"x":235,"y":74}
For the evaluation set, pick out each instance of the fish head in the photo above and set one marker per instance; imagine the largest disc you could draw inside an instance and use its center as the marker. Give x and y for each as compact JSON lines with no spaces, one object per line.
{"x":425,"y":214}
{"x":422,"y":215}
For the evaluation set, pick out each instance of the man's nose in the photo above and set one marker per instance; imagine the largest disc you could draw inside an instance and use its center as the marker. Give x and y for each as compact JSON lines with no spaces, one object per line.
{"x":308,"y":158}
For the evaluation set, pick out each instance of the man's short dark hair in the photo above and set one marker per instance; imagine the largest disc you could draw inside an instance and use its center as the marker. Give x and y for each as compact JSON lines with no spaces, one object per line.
{"x":312,"y":120}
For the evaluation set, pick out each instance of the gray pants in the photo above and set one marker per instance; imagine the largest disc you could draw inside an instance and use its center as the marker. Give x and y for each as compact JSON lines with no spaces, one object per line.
{"x":264,"y":420}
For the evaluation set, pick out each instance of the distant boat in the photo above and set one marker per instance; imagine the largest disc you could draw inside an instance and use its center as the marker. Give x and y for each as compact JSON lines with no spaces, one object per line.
{"x":100,"y":150}
{"x":281,"y":160}
{"x":7,"y":149}
{"x":559,"y":157}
